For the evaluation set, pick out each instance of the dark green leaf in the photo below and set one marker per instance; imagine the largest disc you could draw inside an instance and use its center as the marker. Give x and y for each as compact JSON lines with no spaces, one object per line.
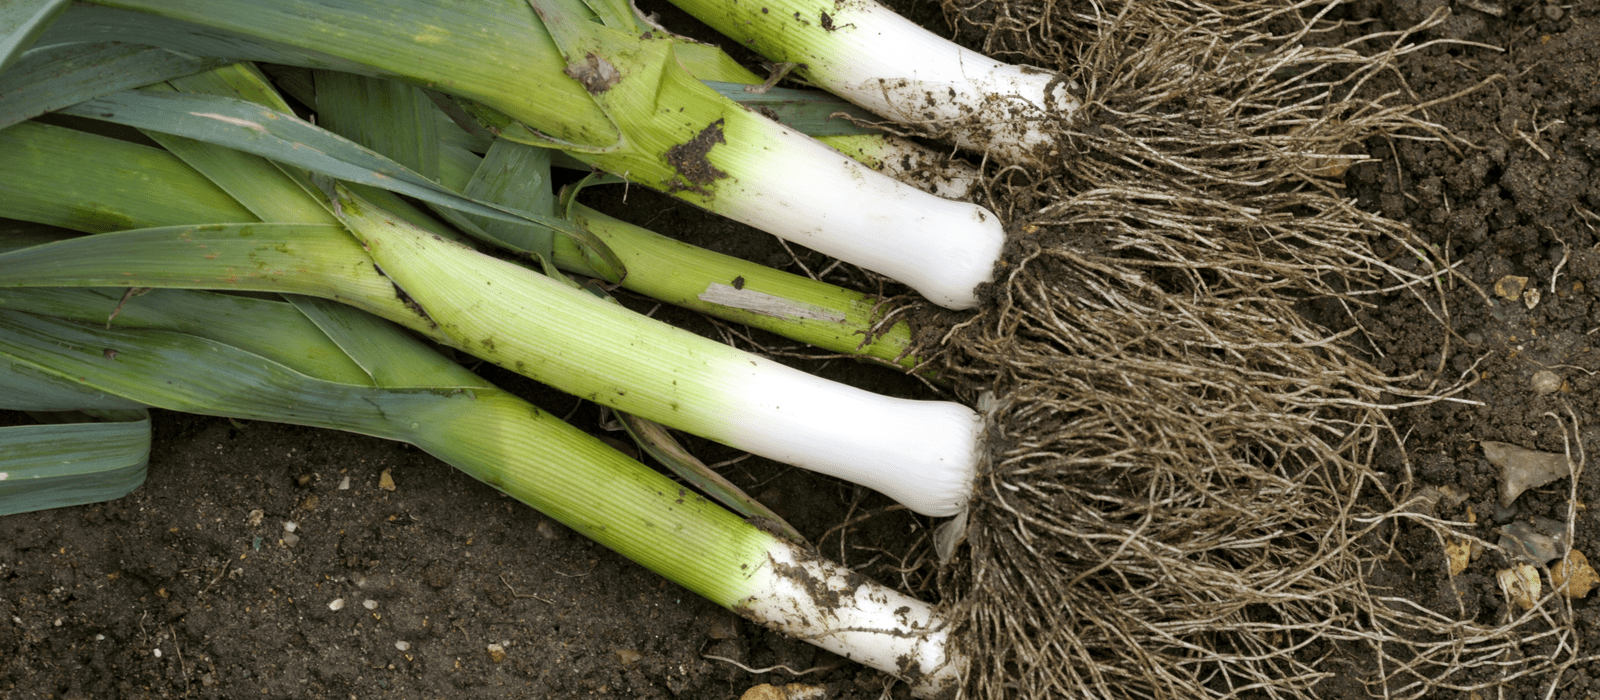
{"x":70,"y":464}
{"x":22,"y":21}
{"x":50,"y":78}
{"x":811,"y":112}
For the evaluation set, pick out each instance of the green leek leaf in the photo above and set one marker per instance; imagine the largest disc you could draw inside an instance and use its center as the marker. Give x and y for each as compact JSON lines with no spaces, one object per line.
{"x":517,"y":175}
{"x":811,"y":112}
{"x":44,"y":177}
{"x":249,"y":127}
{"x":21,"y":22}
{"x":69,"y":464}
{"x":389,"y":117}
{"x":50,"y":78}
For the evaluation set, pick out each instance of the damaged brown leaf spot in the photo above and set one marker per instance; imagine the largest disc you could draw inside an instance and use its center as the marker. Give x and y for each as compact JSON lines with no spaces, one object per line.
{"x":596,"y":73}
{"x":827,"y":22}
{"x":406,"y":299}
{"x":695,"y":170}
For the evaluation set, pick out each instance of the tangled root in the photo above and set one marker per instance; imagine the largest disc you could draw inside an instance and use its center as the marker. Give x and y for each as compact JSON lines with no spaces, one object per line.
{"x":1183,"y":497}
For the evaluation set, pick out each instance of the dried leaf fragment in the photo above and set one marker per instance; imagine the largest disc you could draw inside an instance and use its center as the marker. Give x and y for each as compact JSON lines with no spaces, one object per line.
{"x":1520,"y":584}
{"x":1575,"y":574}
{"x":1459,"y":553}
{"x":792,"y":691}
{"x":386,"y":481}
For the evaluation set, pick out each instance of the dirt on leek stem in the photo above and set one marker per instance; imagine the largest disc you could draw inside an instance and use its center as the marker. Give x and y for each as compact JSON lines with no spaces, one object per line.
{"x":867,"y":54}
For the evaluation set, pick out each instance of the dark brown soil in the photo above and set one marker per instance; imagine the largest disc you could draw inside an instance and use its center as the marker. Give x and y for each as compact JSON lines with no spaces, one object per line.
{"x":179,"y":590}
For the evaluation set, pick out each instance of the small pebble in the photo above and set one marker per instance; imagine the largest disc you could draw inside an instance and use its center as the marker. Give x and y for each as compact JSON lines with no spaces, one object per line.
{"x":255,"y":517}
{"x":1546,"y":382}
{"x":386,"y":481}
{"x":291,"y":526}
{"x":1520,"y":584}
{"x":344,"y":484}
{"x":497,"y":653}
{"x":157,"y":652}
{"x":403,"y":646}
{"x":337,"y":604}
{"x":628,"y":657}
{"x":1553,"y":13}
{"x":792,"y":691}
{"x":1510,"y":286}
{"x":310,"y":503}
{"x":1575,"y":574}
{"x":369,"y":604}
{"x":290,"y":539}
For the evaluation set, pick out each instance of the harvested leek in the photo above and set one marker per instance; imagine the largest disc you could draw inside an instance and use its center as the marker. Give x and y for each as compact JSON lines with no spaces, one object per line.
{"x":331,"y":366}
{"x":465,"y":299}
{"x":609,"y":91}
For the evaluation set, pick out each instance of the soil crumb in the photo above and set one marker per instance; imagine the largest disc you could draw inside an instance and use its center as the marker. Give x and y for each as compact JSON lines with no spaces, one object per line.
{"x":689,"y":159}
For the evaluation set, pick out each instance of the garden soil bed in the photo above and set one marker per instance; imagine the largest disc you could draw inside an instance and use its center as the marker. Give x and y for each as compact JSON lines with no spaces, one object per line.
{"x":400,"y":573}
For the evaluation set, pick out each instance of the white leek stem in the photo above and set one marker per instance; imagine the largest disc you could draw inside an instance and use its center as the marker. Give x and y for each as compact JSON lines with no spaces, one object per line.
{"x":920,"y":453}
{"x":798,"y":189}
{"x":875,"y":58}
{"x":807,"y":597}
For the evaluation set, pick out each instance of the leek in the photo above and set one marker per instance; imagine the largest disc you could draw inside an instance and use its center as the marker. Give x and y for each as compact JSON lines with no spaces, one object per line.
{"x":921,"y":453}
{"x":819,"y":314}
{"x":331,"y":366}
{"x":612,"y":95}
{"x":866,"y":53}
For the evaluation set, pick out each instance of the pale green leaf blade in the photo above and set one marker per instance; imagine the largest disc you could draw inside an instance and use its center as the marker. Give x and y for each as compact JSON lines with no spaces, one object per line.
{"x":491,"y":50}
{"x":389,"y":355}
{"x":63,"y":177}
{"x":54,"y":466}
{"x":320,"y":260}
{"x":315,"y":259}
{"x":86,"y":22}
{"x":181,"y":372}
{"x":24,"y":388}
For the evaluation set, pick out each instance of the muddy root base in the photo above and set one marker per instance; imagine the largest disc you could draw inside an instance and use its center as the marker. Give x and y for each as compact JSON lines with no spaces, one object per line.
{"x":1192,"y":472}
